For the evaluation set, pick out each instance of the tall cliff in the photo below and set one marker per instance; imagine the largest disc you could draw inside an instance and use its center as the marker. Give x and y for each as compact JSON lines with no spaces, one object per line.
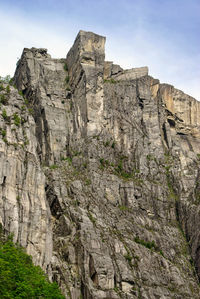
{"x":99,"y":176}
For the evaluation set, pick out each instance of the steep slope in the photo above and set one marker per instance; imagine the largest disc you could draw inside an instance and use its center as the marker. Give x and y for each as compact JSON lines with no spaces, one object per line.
{"x":102,"y":185}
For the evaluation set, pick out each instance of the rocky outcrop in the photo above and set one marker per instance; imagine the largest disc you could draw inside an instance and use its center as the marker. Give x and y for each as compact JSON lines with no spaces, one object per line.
{"x":99,"y":176}
{"x":24,"y":209}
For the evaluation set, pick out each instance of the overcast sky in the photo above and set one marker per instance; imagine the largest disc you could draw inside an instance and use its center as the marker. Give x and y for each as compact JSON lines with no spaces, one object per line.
{"x":161,"y":34}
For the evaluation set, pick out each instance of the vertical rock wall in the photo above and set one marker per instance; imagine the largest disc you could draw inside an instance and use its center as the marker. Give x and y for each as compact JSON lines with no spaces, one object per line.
{"x":105,"y":193}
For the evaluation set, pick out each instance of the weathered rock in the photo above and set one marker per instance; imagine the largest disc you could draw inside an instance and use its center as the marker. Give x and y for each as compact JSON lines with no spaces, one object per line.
{"x":105,"y":195}
{"x":24,"y":210}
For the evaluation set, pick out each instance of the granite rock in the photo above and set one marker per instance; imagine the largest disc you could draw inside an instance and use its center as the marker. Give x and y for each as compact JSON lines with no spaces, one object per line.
{"x":100,"y":176}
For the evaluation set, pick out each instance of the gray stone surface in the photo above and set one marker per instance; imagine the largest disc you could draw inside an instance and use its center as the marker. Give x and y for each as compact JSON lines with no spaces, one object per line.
{"x":100,"y":179}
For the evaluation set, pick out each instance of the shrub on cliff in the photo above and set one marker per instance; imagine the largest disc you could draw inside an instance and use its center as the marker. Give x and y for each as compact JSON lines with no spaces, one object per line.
{"x":19,"y":278}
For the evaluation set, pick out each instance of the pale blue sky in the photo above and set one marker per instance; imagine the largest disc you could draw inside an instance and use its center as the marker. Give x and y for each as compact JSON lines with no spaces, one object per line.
{"x":162,"y":34}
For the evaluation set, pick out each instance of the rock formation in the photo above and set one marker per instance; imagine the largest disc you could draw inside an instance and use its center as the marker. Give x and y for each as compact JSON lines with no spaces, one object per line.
{"x":99,"y":175}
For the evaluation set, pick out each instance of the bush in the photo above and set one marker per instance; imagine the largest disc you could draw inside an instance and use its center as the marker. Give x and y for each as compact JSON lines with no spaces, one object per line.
{"x":128,"y":257}
{"x":4,"y":114}
{"x":17,"y":119}
{"x":8,"y":89}
{"x":149,"y":245}
{"x":3,"y":133}
{"x":65,"y":67}
{"x":112,"y":81}
{"x":20,"y":92}
{"x":104,"y":163}
{"x":19,"y":278}
{"x":3,"y":99}
{"x":54,"y":166}
{"x":68,"y":159}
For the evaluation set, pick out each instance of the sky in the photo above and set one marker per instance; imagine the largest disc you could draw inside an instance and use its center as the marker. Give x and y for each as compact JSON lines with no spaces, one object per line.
{"x":161,"y":34}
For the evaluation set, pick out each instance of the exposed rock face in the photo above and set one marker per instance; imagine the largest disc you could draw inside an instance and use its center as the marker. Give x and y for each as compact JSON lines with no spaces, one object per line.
{"x":101,"y":182}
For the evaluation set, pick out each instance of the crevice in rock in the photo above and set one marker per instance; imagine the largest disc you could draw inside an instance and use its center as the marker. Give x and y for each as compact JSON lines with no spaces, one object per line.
{"x":185,"y":137}
{"x":42,"y":134}
{"x":171,"y":122}
{"x":92,"y":271}
{"x":165,"y":134}
{"x":82,"y":289}
{"x":4,"y":181}
{"x":53,"y":201}
{"x":182,"y":221}
{"x":141,"y":103}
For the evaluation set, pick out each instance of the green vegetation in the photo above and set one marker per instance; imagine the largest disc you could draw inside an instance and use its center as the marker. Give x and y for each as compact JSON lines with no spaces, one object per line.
{"x":68,"y":159}
{"x":123,"y":208}
{"x":20,"y":93}
{"x":26,"y":141}
{"x":116,"y":289}
{"x":8,"y":89}
{"x":104,"y":163}
{"x":125,"y":175}
{"x":30,"y":111}
{"x":113,"y":144}
{"x":96,"y":137}
{"x":3,"y":133}
{"x":112,"y":81}
{"x":19,"y":278}
{"x":91,"y":217}
{"x":107,"y":143}
{"x":4,"y":114}
{"x":76,"y":153}
{"x":67,"y":79}
{"x":3,"y":99}
{"x":54,"y":166}
{"x":150,"y":245}
{"x":11,"y":82}
{"x":150,"y":157}
{"x":5,"y":140}
{"x":120,"y":171}
{"x":65,"y":67}
{"x":88,"y":182}
{"x":26,"y":101}
{"x":128,"y":257}
{"x":197,"y":193}
{"x":17,"y":119}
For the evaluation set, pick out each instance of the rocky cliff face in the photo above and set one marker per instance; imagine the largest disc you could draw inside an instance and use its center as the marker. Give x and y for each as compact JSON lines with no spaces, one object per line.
{"x":99,"y":175}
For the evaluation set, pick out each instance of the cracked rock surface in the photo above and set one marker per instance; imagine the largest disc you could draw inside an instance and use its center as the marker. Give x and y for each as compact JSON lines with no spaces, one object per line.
{"x":99,"y":175}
